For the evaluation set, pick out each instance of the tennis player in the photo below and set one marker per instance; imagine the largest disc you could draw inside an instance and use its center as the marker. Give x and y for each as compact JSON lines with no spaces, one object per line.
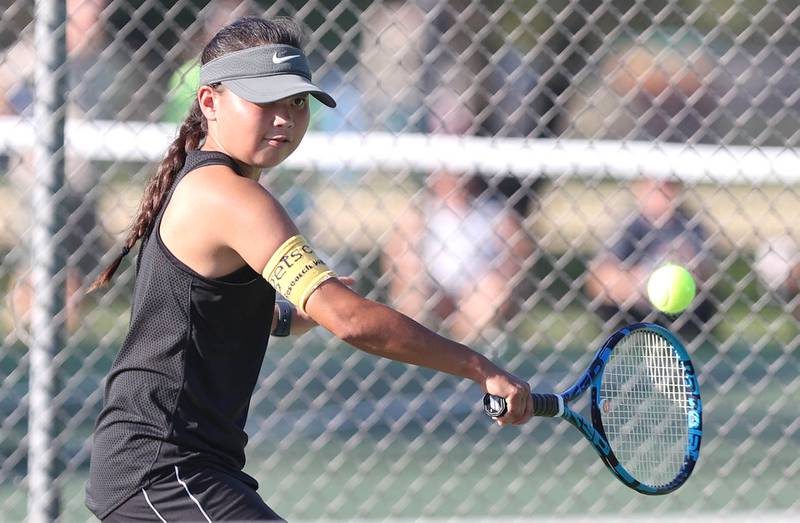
{"x":216,"y":246}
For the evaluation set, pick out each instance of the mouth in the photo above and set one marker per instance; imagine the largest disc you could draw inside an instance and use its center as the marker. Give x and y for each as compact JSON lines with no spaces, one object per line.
{"x":277,"y":141}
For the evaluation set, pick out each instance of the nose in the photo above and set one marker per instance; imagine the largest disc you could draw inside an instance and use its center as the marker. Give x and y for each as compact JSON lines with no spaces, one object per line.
{"x":283,"y":118}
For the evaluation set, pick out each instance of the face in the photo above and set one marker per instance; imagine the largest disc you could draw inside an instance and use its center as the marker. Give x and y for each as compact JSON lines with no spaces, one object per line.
{"x":656,"y":199}
{"x":257,"y":135}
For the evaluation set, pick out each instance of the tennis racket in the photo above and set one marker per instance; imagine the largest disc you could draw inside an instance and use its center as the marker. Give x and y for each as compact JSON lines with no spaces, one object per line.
{"x":646,"y":414}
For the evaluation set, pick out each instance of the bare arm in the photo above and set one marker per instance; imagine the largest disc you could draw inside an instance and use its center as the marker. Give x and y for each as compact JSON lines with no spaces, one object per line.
{"x":380,"y":330}
{"x":250,"y":212}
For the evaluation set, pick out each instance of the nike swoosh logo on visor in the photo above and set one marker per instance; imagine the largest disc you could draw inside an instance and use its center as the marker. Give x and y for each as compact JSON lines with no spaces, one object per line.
{"x":277,"y":60}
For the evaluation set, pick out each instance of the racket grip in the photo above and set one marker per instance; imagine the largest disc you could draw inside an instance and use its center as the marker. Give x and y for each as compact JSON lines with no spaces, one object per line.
{"x":546,"y":405}
{"x":543,"y":405}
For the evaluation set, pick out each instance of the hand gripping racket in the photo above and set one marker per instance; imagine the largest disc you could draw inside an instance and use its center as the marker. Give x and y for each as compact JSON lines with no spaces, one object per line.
{"x":645,"y":405}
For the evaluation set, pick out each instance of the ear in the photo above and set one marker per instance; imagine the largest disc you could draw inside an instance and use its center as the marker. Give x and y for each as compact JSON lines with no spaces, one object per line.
{"x":207,"y":98}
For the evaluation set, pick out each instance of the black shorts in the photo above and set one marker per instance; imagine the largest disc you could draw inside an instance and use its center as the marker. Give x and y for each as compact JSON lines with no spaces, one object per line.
{"x":190,"y":494}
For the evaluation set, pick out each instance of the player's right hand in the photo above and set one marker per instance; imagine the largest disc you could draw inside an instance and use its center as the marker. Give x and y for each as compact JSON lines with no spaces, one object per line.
{"x":517,"y":394}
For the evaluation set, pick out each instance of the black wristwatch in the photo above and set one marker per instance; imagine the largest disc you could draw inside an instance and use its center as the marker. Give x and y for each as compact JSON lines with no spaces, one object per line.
{"x":284,"y":323}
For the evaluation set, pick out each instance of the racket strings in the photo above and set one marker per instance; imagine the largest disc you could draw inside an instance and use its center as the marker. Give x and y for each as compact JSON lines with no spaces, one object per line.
{"x":644,"y":407}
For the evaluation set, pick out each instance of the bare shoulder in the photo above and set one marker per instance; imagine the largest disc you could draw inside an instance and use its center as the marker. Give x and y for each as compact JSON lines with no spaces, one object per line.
{"x":218,"y":186}
{"x":229,"y":210}
{"x":217,"y":195}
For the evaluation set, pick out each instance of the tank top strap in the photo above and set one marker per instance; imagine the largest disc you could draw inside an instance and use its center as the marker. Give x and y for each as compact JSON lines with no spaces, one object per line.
{"x":196,"y":159}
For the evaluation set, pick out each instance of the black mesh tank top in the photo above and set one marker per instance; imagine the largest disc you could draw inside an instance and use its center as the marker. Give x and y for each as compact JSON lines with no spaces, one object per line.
{"x":179,"y":390}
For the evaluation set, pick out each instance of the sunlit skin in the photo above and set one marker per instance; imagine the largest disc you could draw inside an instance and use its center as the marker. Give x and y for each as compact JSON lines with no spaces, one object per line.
{"x":257,"y":136}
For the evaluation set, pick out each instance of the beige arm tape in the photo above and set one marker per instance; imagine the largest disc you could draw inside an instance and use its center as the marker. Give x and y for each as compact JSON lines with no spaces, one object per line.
{"x":295,"y":271}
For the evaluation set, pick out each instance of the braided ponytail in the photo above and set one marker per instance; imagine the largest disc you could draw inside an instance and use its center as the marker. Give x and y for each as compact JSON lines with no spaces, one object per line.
{"x":190,"y":134}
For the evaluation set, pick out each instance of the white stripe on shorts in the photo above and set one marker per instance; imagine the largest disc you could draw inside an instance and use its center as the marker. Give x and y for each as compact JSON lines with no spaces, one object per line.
{"x":186,"y":487}
{"x":152,"y":507}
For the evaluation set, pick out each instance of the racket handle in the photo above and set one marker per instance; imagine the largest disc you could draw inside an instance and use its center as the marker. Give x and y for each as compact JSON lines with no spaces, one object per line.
{"x":543,"y":405}
{"x":494,"y":406}
{"x":549,"y":405}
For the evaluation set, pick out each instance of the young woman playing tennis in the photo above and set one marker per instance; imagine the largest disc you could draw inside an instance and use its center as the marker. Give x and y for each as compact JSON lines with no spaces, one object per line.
{"x":216,"y":246}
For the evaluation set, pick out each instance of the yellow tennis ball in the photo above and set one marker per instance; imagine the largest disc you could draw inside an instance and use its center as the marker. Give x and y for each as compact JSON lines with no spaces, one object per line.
{"x":671,"y":288}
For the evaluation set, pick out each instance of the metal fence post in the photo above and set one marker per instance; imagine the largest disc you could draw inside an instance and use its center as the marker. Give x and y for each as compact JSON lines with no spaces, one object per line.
{"x":48,"y":263}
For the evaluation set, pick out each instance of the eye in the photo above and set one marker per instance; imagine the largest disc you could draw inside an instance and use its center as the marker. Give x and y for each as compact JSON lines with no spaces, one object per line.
{"x":300,"y":101}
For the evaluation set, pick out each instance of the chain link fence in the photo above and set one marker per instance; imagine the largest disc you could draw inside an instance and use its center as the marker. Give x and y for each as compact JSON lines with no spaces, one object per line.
{"x":508,"y":173}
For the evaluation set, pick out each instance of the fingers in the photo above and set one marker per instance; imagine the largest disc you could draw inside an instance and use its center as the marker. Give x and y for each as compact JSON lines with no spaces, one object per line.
{"x":517,"y":394}
{"x":528,"y":406}
{"x":519,"y":404}
{"x":526,"y":409}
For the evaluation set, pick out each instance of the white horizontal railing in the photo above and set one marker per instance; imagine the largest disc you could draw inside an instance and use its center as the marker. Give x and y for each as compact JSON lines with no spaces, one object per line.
{"x":147,"y":142}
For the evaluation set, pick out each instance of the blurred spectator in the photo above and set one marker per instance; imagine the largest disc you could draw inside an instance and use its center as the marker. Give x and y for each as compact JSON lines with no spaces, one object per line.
{"x":459,"y":251}
{"x":390,"y":69}
{"x":410,"y":49}
{"x":653,"y":89}
{"x":659,"y":89}
{"x":458,"y":254}
{"x":662,"y":230}
{"x":97,"y":76}
{"x":778,"y":264}
{"x":100,"y":81}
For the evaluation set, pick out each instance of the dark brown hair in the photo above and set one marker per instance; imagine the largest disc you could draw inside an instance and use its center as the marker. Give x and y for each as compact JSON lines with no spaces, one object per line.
{"x":242,"y":34}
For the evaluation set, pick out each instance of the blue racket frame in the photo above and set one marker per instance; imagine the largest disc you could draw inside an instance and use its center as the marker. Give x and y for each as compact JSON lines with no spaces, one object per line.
{"x":557,"y":405}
